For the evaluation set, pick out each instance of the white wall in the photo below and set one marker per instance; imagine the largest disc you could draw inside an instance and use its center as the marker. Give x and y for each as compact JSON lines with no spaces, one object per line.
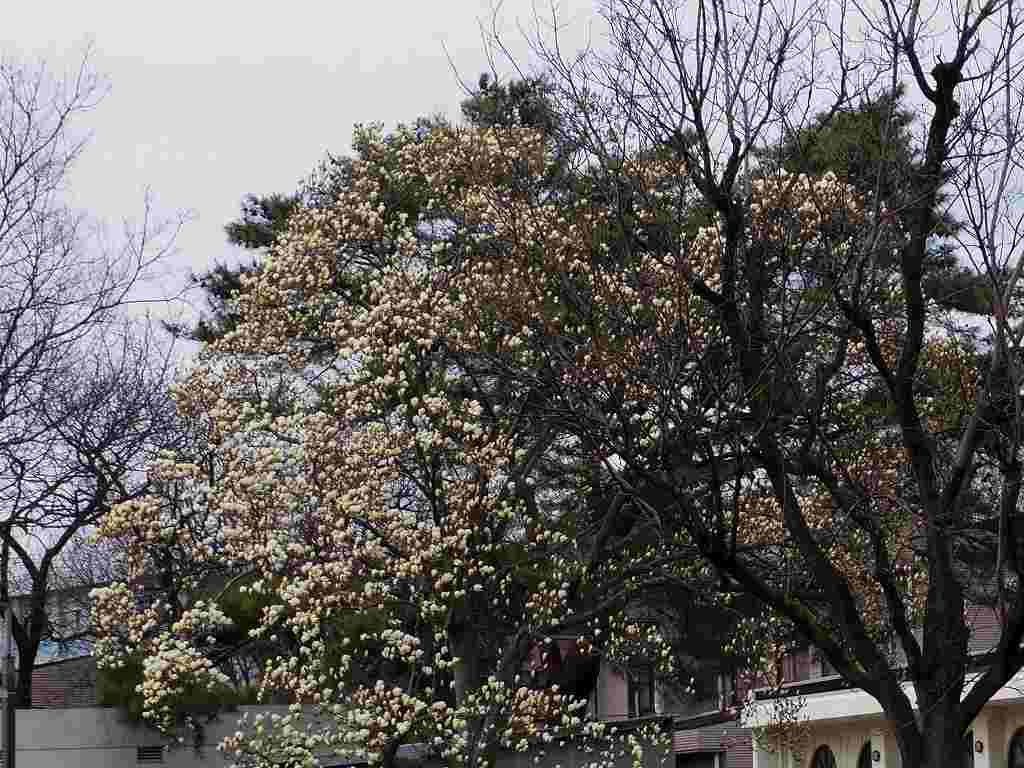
{"x":846,"y":743}
{"x":846,"y":740}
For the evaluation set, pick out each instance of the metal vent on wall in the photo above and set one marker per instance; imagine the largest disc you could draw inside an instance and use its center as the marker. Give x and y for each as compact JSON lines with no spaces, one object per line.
{"x":150,"y":755}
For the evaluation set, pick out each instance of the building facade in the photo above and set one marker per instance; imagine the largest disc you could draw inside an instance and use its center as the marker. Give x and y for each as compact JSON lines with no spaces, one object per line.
{"x":846,"y":728}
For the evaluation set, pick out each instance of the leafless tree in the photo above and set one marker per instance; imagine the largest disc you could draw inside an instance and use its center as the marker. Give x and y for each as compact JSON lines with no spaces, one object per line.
{"x":83,"y":397}
{"x":97,"y":427}
{"x":711,"y":83}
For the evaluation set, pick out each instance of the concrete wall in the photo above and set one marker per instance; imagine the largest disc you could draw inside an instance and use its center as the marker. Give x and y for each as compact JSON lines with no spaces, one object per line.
{"x":569,"y":754}
{"x":89,"y":737}
{"x":96,"y":737}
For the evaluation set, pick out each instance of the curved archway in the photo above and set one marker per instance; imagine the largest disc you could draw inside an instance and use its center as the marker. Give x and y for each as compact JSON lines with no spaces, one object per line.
{"x":823,"y":758}
{"x":1015,"y":751}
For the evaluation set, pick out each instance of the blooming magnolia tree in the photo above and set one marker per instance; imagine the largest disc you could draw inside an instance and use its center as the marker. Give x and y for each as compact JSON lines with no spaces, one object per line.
{"x":411,"y":533}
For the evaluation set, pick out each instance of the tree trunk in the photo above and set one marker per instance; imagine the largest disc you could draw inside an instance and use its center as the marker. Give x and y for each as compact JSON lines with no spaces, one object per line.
{"x":389,"y":757}
{"x":467,"y":672}
{"x":32,"y":626}
{"x":934,"y":741}
{"x":482,"y":736}
{"x":26,"y":664}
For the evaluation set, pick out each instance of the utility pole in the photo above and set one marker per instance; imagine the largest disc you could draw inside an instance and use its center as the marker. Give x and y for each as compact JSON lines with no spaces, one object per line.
{"x":10,"y":685}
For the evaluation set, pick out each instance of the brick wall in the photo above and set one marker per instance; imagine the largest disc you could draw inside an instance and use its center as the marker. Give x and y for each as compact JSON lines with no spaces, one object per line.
{"x":67,"y":683}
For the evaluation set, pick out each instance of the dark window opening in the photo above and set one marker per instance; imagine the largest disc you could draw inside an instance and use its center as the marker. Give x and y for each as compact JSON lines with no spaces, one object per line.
{"x":823,"y":758}
{"x":1015,"y":758}
{"x":641,"y":691}
{"x":698,"y":760}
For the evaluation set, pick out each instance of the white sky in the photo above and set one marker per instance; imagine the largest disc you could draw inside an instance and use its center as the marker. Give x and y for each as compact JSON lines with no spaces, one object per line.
{"x":212,"y":100}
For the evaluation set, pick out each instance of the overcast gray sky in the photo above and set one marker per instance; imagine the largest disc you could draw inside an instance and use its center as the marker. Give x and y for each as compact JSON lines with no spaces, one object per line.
{"x":212,"y":100}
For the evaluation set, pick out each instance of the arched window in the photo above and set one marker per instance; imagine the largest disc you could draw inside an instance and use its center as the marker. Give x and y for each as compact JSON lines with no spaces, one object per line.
{"x":823,"y":758}
{"x":1015,"y":754}
{"x":864,"y":759}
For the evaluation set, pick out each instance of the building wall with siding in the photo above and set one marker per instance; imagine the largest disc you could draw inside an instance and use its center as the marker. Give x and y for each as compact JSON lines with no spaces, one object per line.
{"x":67,"y":683}
{"x":729,"y":740}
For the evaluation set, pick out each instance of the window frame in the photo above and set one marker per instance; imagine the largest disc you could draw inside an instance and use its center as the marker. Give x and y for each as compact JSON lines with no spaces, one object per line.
{"x":635,"y":687}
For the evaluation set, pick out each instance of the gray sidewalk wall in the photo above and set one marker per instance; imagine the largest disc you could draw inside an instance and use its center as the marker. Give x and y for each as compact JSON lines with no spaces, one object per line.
{"x":99,"y":737}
